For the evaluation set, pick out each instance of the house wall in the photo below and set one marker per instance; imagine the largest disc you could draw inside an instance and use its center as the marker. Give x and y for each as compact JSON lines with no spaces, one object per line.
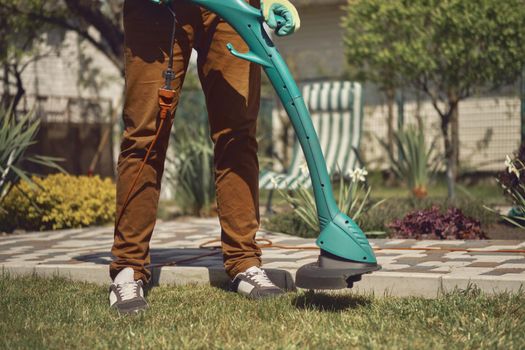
{"x":316,"y":49}
{"x":74,"y":70}
{"x":75,"y":91}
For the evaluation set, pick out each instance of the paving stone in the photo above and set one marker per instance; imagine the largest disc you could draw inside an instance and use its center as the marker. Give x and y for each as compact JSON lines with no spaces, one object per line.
{"x":484,"y":264}
{"x":84,"y":254}
{"x":469,"y":272}
{"x":508,"y":265}
{"x":488,"y":284}
{"x":418,"y":269}
{"x":393,"y":267}
{"x":494,"y":258}
{"x":500,"y":271}
{"x":395,"y":242}
{"x":456,"y":264}
{"x":384,"y":283}
{"x":431,"y":263}
{"x":433,"y":243}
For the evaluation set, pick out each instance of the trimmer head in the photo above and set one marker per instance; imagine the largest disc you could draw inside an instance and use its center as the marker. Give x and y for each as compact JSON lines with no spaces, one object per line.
{"x":332,"y":272}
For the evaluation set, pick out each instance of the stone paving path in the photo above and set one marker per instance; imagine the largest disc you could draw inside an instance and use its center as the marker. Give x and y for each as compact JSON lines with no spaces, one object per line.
{"x":83,"y":254}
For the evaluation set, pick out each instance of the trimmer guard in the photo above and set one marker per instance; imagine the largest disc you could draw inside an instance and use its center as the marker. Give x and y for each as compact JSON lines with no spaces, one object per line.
{"x":332,"y":272}
{"x":340,"y":240}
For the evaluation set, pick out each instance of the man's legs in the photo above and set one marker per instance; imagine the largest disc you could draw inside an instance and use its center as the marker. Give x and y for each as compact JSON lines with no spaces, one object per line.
{"x":232,"y":89}
{"x":147,"y":38}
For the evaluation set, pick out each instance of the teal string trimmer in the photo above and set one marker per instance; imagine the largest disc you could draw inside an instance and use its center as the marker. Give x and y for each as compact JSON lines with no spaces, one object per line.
{"x":345,"y":251}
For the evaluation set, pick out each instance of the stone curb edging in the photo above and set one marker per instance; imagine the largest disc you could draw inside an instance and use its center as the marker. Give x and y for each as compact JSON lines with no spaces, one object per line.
{"x":381,"y":283}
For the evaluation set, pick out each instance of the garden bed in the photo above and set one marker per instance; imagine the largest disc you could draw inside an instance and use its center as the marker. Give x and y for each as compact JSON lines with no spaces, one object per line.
{"x":377,"y":222}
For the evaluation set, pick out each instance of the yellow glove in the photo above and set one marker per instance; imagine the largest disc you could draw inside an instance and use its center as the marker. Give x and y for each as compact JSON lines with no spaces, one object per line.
{"x":285,"y":9}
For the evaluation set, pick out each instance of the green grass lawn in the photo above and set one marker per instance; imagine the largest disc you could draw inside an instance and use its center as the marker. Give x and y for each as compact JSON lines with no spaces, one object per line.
{"x":57,"y":313}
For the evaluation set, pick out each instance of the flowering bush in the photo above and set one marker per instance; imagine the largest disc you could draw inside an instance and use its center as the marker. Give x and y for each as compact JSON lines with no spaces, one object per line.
{"x":512,"y":180}
{"x":59,"y":201}
{"x":435,"y":224}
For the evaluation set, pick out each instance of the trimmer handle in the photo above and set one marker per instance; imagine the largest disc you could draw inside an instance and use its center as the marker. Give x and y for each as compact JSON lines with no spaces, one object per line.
{"x":280,"y":20}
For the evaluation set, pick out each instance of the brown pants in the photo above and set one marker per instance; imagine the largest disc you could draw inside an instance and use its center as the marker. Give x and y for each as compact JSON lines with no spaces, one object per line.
{"x":232,"y":90}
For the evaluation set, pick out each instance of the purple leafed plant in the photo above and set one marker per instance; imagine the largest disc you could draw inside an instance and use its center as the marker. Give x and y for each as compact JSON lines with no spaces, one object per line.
{"x":432,"y":223}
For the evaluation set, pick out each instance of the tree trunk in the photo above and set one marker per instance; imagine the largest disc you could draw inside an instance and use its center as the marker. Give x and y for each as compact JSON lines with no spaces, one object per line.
{"x":390,"y":100}
{"x":5,"y":92}
{"x":419,"y":119}
{"x":454,"y":131}
{"x":451,"y":141}
{"x":388,"y":175}
{"x":20,"y":90}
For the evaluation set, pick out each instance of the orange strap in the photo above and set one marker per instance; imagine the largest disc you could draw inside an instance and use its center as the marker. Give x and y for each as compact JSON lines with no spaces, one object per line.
{"x":166,"y":104}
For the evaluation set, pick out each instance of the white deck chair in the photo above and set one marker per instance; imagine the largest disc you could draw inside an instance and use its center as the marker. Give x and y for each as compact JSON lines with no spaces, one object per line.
{"x":337,"y":114}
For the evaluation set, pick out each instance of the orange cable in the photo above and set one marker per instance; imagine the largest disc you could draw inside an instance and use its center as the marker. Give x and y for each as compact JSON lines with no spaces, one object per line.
{"x":166,"y":103}
{"x":270,"y":244}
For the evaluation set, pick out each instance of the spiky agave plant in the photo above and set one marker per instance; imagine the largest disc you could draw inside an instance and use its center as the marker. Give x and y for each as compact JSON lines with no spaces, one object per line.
{"x":193,"y":177}
{"x":16,"y":135}
{"x":416,"y":163}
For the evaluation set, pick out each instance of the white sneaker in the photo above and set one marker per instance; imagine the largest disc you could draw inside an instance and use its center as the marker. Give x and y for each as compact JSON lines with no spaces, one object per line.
{"x":255,"y":284}
{"x":126,"y":294}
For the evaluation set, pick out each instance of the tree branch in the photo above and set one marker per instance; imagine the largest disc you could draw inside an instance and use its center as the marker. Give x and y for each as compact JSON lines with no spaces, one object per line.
{"x":90,"y":12}
{"x":433,"y":98}
{"x":63,"y":23}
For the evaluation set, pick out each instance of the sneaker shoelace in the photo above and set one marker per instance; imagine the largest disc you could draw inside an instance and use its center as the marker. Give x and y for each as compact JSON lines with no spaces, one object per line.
{"x":127,"y":290}
{"x":260,"y":277}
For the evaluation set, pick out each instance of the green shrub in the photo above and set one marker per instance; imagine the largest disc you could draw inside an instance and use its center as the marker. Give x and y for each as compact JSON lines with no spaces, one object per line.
{"x":57,"y":202}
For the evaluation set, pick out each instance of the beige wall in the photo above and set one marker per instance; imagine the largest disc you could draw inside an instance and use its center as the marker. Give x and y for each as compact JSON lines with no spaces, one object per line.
{"x":77,"y":70}
{"x":75,"y":89}
{"x":316,"y":50}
